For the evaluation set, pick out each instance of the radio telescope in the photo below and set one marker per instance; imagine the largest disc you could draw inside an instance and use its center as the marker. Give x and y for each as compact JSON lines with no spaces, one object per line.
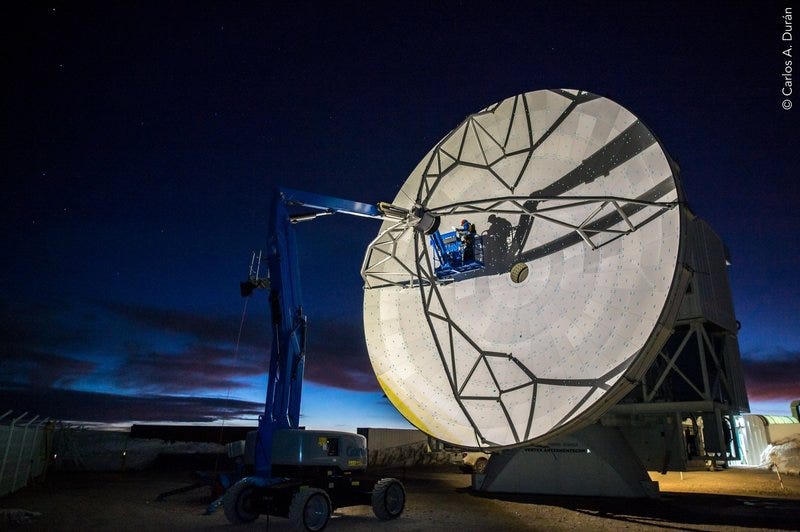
{"x":573,"y":275}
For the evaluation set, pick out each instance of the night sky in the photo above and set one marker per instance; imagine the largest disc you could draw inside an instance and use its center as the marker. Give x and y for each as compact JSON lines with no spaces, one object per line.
{"x":142,"y":142}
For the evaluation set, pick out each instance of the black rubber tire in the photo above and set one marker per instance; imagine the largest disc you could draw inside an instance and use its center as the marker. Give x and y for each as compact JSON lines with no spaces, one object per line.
{"x":310,"y":509}
{"x":480,"y":465}
{"x":388,"y":499}
{"x":238,"y":502}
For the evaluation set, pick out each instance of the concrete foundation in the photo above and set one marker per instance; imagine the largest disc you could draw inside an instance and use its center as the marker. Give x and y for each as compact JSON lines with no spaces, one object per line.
{"x":594,"y":461}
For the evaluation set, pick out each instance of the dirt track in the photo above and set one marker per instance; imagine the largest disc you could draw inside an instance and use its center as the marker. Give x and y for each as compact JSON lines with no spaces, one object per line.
{"x":438,"y":499}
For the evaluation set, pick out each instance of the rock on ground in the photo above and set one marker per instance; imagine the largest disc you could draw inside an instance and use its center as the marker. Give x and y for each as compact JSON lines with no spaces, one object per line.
{"x":784,"y":455}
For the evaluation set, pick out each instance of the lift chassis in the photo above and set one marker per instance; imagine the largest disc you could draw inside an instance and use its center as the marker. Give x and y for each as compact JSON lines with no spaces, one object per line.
{"x":303,"y":474}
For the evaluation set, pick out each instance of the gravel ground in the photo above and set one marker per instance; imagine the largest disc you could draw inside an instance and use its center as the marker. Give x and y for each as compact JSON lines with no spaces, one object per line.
{"x":437,"y":499}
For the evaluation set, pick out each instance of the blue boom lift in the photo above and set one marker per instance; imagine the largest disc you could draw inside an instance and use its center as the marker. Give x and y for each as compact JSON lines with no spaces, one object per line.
{"x":456,"y":252}
{"x":297,"y":473}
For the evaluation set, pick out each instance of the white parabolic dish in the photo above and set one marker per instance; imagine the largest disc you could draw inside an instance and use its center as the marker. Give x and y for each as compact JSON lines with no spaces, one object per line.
{"x":575,"y":187}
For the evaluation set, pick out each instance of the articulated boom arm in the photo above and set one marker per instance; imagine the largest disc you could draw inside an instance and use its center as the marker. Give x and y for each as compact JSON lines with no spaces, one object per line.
{"x":289,"y":323}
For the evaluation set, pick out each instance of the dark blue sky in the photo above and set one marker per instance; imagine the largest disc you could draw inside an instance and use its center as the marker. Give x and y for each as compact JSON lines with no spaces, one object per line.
{"x":142,"y":142}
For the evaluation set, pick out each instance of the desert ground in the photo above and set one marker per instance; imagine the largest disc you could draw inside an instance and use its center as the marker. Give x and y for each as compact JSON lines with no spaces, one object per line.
{"x":438,"y":498}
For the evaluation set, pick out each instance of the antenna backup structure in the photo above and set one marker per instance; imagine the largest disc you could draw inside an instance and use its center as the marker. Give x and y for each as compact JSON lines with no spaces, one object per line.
{"x":557,"y":303}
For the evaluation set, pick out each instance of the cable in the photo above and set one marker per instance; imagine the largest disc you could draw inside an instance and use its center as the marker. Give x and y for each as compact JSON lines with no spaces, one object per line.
{"x":228,"y":393}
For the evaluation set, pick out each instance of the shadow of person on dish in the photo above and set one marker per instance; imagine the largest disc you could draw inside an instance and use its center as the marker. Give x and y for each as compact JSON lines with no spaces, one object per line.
{"x":496,"y":245}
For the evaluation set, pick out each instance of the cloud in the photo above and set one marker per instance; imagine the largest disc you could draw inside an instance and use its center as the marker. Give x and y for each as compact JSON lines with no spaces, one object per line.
{"x":203,"y":327}
{"x":37,"y":350}
{"x":773,"y":376}
{"x":96,"y":407}
{"x":43,"y":327}
{"x":337,"y":354}
{"x":199,"y":367}
{"x":37,"y":369}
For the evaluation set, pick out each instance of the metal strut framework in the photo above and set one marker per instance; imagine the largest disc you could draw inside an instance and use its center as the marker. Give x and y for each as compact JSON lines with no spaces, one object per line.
{"x":511,"y":378}
{"x":609,"y":216}
{"x":504,"y":154}
{"x":608,"y":221}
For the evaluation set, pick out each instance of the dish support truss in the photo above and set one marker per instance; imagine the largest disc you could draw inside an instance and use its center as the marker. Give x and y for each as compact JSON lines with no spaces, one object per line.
{"x":697,"y":374}
{"x":609,"y":220}
{"x":400,"y":258}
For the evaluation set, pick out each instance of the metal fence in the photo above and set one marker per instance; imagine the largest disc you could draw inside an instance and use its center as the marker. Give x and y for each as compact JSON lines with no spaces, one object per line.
{"x":25,"y":443}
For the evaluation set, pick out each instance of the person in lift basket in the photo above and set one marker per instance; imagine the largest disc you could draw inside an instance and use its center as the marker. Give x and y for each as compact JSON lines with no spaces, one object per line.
{"x":466,"y":233}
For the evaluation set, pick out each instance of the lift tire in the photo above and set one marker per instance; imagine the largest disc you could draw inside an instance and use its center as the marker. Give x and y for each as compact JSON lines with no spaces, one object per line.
{"x":388,"y":499}
{"x":238,"y":502}
{"x":480,"y":465}
{"x":310,"y":509}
